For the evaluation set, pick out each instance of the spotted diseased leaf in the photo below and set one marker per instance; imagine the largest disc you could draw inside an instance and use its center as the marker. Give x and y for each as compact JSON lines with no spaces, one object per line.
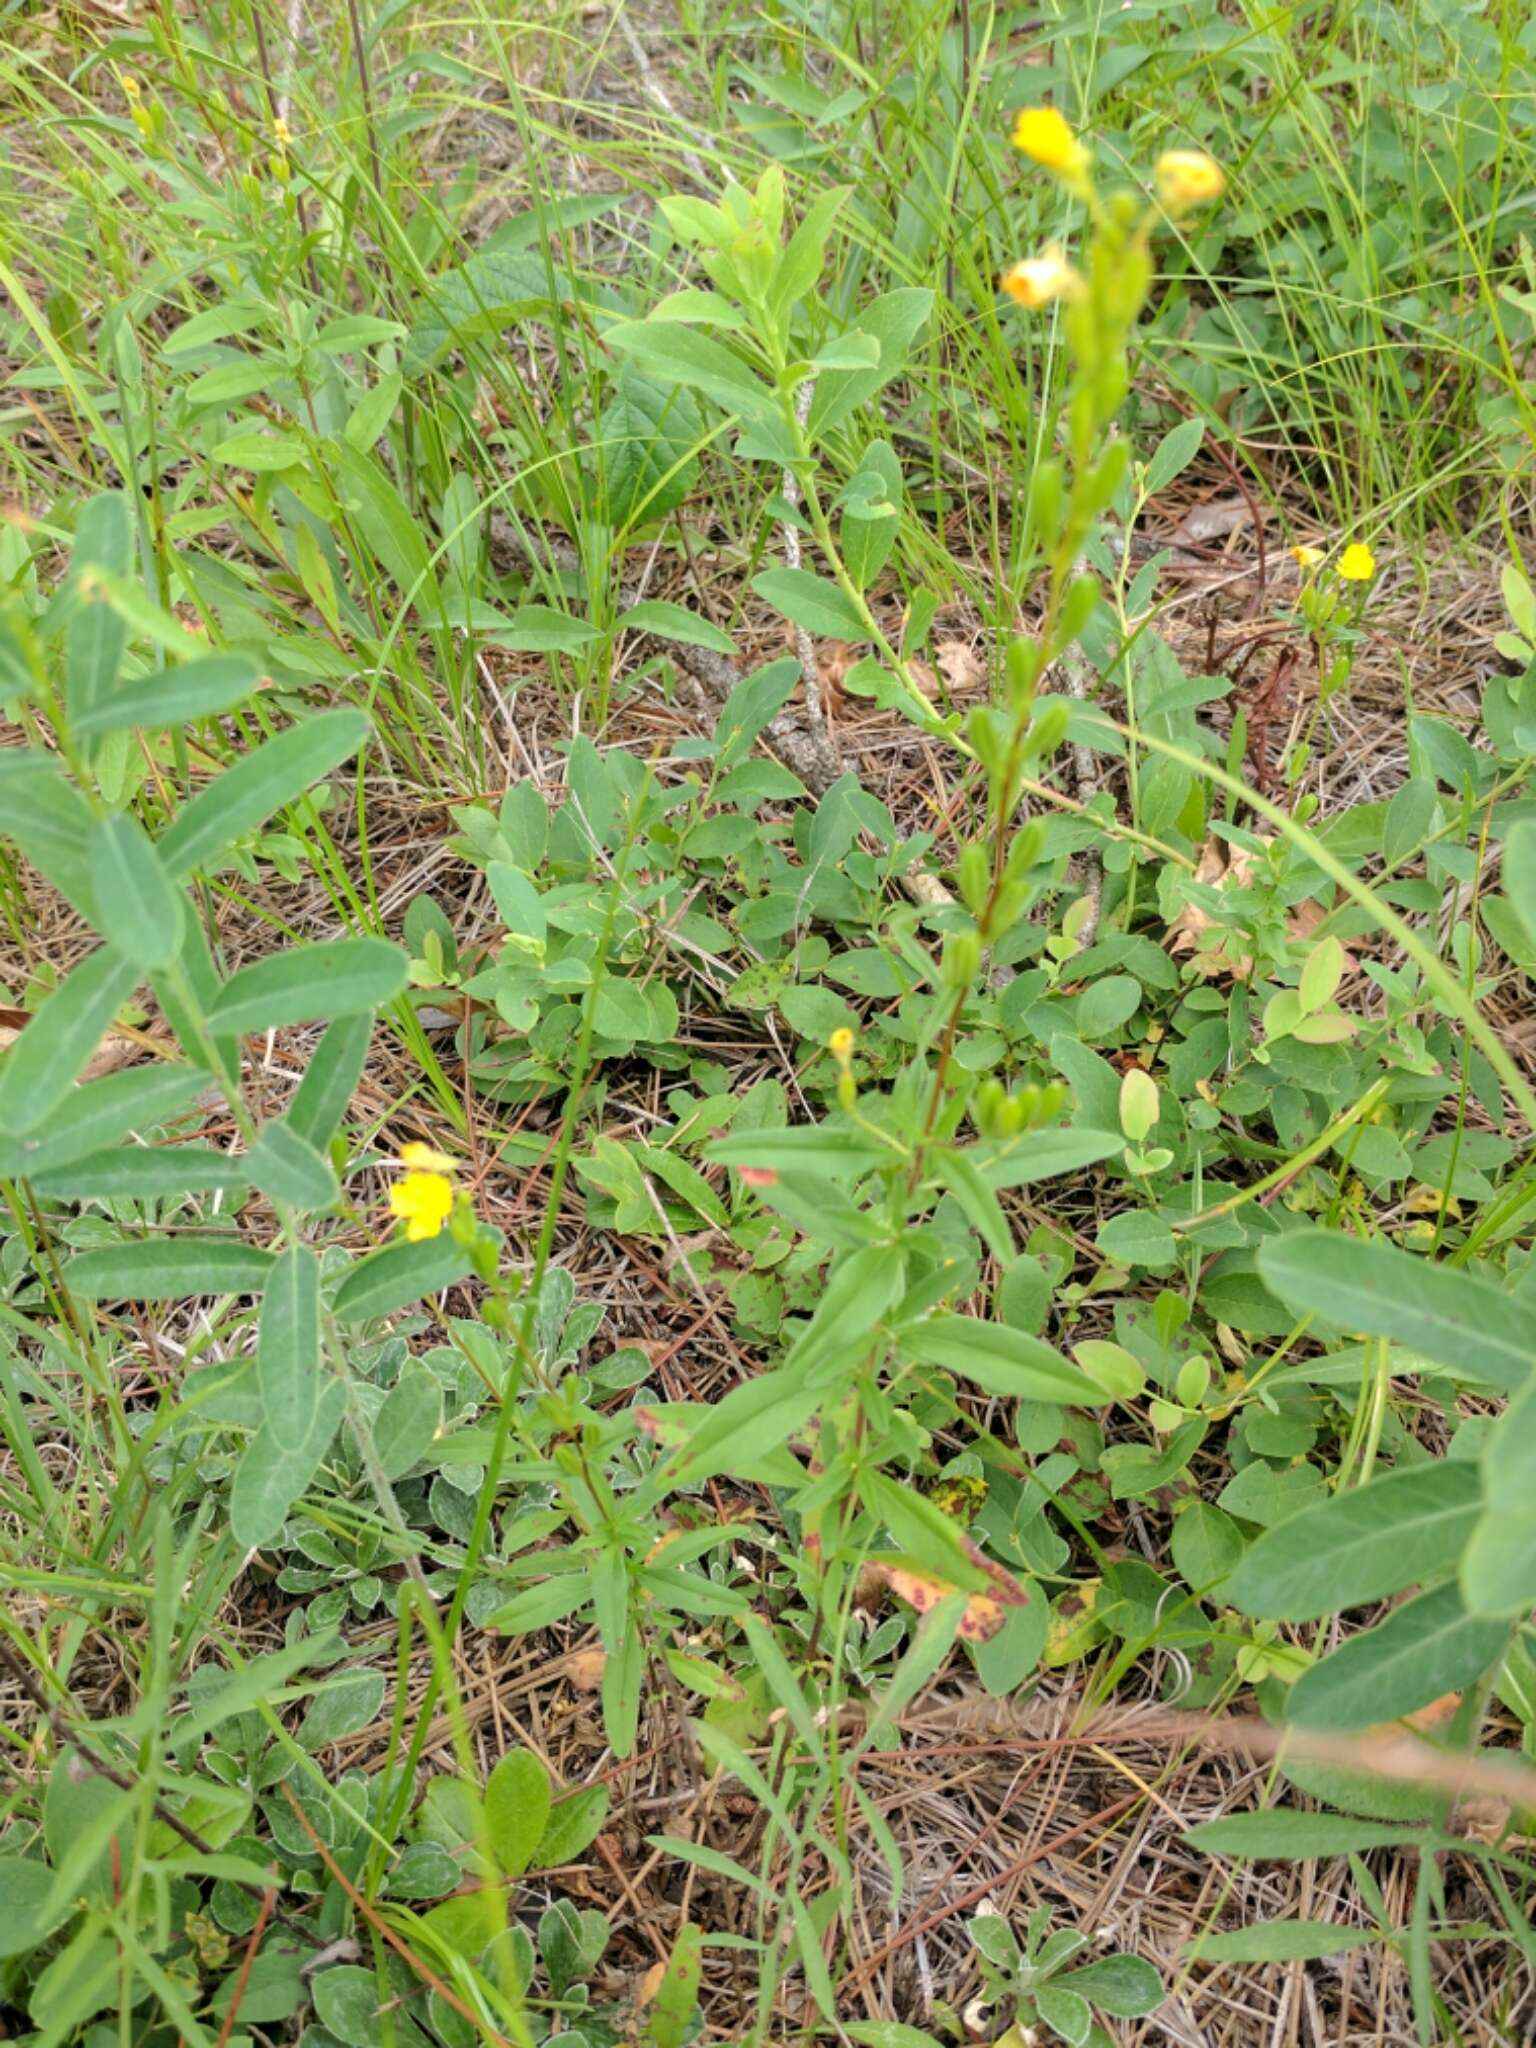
{"x":672,"y":1990}
{"x":984,"y":1613}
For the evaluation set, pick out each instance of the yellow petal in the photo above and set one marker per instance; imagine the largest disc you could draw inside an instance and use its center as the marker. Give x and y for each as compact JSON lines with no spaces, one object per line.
{"x":1037,"y":280}
{"x":1188,"y":177}
{"x":423,"y":1202}
{"x":1045,"y":135}
{"x":424,"y":1159}
{"x":1357,"y":564}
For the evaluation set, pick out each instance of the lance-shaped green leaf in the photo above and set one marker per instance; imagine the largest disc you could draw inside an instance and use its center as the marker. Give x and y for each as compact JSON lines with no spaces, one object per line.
{"x":173,"y":696}
{"x":1285,"y":1834}
{"x":1424,"y":1649}
{"x":270,"y":776}
{"x":269,"y":1479}
{"x":145,"y":1171}
{"x":287,"y":1168}
{"x":734,"y":1430}
{"x":1519,"y":875}
{"x":330,"y":1080}
{"x":139,"y":911}
{"x":923,"y":1530}
{"x":807,"y":1149}
{"x":1037,"y":1155}
{"x":1458,"y":1318}
{"x":859,"y":1290}
{"x":517,"y":1803}
{"x":408,"y":1421}
{"x":96,"y":633}
{"x":185,"y":994}
{"x":895,"y":320}
{"x":49,"y":820}
{"x":1401,"y":1530}
{"x":96,"y":1114}
{"x":813,"y":602}
{"x":1509,"y":1456}
{"x":1000,"y":1360}
{"x":40,"y":1067}
{"x":1498,"y":1567}
{"x":288,"y":1363}
{"x":871,"y":507}
{"x":168,"y":1269}
{"x":675,"y":622}
{"x":336,"y":978}
{"x":675,"y":354}
{"x":1282,"y":1941}
{"x":398,"y":1275}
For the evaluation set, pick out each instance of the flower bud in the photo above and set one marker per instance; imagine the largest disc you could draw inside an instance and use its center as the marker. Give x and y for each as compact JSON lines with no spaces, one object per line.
{"x":973,"y":871}
{"x":986,"y":1105}
{"x":1036,"y":280}
{"x":1050,"y":726}
{"x":961,"y":962}
{"x":1021,"y":670}
{"x":1045,"y":136}
{"x":1186,"y":178}
{"x":1078,"y":606}
{"x":1193,"y":1383}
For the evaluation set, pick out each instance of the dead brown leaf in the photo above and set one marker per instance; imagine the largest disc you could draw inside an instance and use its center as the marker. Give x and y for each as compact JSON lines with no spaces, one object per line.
{"x":1485,"y":1820}
{"x":834,"y":658}
{"x":960,"y":665}
{"x":1218,"y":864}
{"x":584,"y":1669}
{"x":1213,"y":520}
{"x":1227,"y":866}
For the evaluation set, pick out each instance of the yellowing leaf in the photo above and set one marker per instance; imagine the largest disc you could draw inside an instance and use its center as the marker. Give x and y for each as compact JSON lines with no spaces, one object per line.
{"x":984,"y":1614}
{"x":1075,"y":1625}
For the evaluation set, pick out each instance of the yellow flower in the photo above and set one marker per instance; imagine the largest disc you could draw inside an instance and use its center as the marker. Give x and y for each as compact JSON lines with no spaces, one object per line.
{"x":282,"y":132}
{"x":1306,"y":558}
{"x":1188,"y":177}
{"x":1357,"y":564}
{"x":1039,"y":279}
{"x":841,"y":1045}
{"x":130,"y":85}
{"x":424,"y":1159}
{"x":423,"y":1202}
{"x":1046,"y":136}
